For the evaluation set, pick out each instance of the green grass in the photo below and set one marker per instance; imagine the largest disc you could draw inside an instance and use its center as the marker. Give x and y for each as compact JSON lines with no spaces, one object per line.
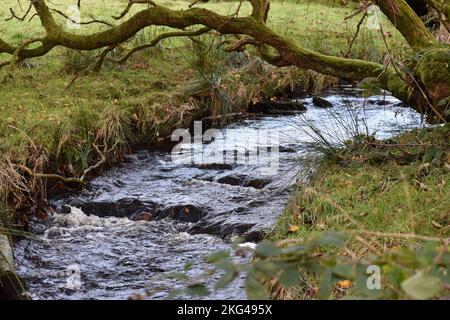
{"x":397,"y":190}
{"x":36,"y":100}
{"x":59,"y":108}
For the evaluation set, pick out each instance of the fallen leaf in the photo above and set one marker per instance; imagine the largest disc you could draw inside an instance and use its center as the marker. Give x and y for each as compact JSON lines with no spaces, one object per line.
{"x":344,"y":284}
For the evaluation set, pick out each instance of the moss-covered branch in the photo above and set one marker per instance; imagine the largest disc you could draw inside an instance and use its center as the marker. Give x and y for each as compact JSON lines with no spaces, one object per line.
{"x":408,"y":23}
{"x":289,"y":53}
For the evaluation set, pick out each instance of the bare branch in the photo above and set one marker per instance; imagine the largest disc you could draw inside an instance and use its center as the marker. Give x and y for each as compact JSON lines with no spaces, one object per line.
{"x":130,"y":4}
{"x":94,"y":20}
{"x":79,"y":180}
{"x":13,"y":14}
{"x":101,"y":60}
{"x":156,"y":40}
{"x":238,"y":45}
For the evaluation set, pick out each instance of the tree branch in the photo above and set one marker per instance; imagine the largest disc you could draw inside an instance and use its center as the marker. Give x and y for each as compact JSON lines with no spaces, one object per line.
{"x":130,"y":4}
{"x":408,"y":23}
{"x":156,"y":40}
{"x":79,"y":180}
{"x":94,"y":20}
{"x":253,"y":26}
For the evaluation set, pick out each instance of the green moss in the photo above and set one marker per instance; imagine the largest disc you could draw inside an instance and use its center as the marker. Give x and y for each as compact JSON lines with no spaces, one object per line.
{"x":434,"y":72}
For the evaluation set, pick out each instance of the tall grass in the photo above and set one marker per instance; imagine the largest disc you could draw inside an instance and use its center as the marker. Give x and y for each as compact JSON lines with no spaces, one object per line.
{"x":343,"y":125}
{"x":222,"y":82}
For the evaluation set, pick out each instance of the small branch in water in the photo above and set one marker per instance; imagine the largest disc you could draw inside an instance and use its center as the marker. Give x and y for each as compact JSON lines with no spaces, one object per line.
{"x":79,"y":180}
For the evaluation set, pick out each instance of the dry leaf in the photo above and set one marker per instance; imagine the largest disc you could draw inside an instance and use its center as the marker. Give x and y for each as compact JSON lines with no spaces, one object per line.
{"x":344,"y":284}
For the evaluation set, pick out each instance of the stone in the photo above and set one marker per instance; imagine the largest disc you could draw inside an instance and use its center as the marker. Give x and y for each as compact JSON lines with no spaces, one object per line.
{"x":185,"y":213}
{"x":214,"y":166}
{"x":321,"y":102}
{"x":253,"y":236}
{"x":121,"y":208}
{"x":145,"y":216}
{"x":257,"y":183}
{"x":379,"y":102}
{"x":286,"y":149}
{"x":277,"y":107}
{"x":233,"y":180}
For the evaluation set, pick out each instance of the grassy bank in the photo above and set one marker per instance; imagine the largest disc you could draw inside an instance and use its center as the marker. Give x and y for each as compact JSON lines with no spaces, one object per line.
{"x":393,"y":194}
{"x":54,"y":108}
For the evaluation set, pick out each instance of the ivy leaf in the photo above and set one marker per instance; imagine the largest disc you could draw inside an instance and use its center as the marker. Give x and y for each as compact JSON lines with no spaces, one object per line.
{"x":197,"y":290}
{"x":215,"y":257}
{"x":289,"y":277}
{"x":326,"y":285}
{"x":266,"y":249}
{"x":344,"y":271}
{"x":178,"y":276}
{"x":405,"y":69}
{"x":418,"y":56}
{"x":225,"y":279}
{"x":421,"y":286}
{"x":331,"y":238}
{"x":254,"y":288}
{"x":188,"y":266}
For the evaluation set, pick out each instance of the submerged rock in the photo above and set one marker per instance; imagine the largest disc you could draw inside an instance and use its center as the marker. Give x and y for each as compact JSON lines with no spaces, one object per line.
{"x":135,"y":209}
{"x":277,"y":107}
{"x":379,"y":102}
{"x":186,"y":213}
{"x":233,"y":180}
{"x":214,"y":166}
{"x":321,"y":102}
{"x":286,"y":149}
{"x":253,"y":236}
{"x":257,"y":183}
{"x":121,"y":208}
{"x":146,"y":216}
{"x":220,"y":227}
{"x":243,"y":181}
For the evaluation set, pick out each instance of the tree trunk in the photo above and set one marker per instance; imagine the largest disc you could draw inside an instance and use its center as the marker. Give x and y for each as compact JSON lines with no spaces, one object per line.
{"x":408,"y":23}
{"x":6,"y":256}
{"x":11,"y":287}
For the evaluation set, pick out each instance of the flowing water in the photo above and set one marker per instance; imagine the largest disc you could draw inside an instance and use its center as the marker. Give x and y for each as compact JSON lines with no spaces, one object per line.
{"x":151,"y":215}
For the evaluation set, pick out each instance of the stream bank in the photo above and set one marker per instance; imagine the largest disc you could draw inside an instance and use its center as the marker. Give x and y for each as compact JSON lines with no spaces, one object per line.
{"x":150,"y":216}
{"x":387,"y":190}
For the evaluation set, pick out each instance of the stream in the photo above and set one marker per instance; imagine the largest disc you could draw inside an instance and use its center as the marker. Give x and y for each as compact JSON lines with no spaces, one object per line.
{"x":151,"y":215}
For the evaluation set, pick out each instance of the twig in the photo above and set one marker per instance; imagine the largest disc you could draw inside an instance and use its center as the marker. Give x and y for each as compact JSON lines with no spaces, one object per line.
{"x":79,"y":180}
{"x":400,"y":235}
{"x":99,"y":63}
{"x":13,"y":14}
{"x":359,"y":10}
{"x":94,"y":20}
{"x":130,"y":4}
{"x":156,"y":40}
{"x":358,"y":27}
{"x":397,"y":144}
